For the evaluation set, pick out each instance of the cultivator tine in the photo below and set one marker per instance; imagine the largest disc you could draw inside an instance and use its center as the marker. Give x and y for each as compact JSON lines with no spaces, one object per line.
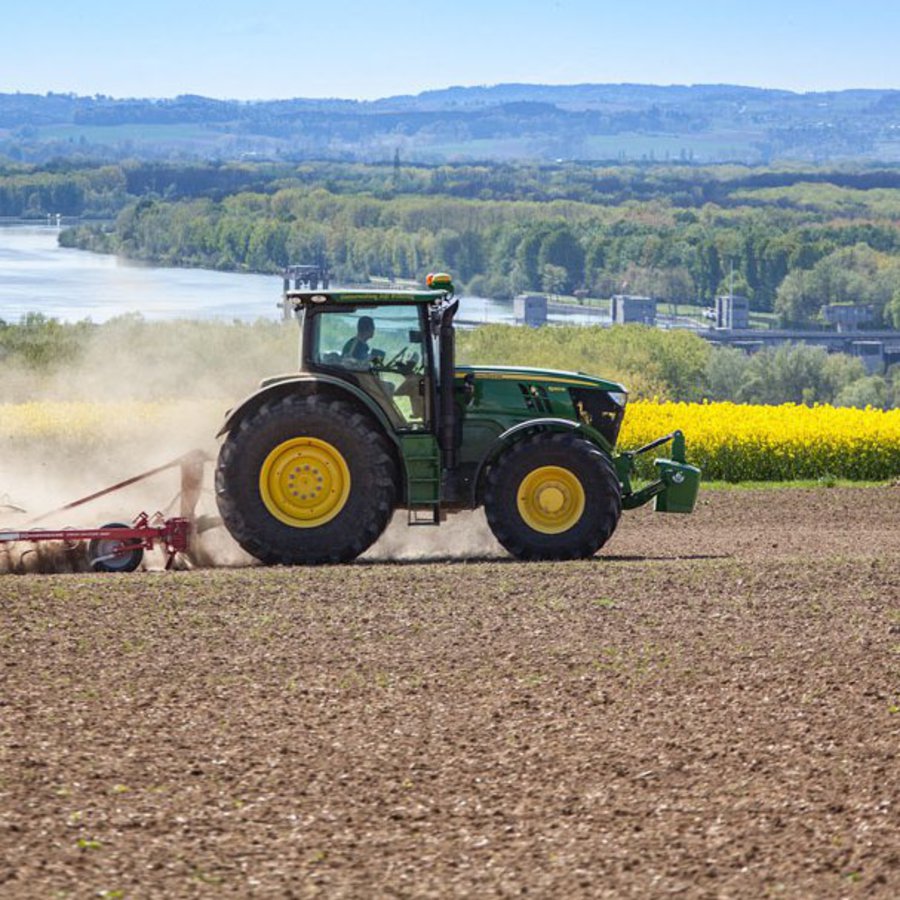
{"x":191,"y":481}
{"x":7,"y":504}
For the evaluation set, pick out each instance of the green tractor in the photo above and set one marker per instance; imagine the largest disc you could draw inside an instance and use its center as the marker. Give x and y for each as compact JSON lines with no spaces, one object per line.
{"x":379,"y":417}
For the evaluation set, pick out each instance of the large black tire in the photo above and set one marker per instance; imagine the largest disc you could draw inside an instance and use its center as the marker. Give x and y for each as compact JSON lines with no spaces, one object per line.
{"x":363,"y":454}
{"x":589,"y":474}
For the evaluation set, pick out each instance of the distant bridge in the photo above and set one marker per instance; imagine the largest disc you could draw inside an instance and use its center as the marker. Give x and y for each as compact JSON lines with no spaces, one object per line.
{"x":873,"y":347}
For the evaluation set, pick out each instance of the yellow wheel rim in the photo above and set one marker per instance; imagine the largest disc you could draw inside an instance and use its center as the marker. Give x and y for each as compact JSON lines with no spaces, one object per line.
{"x":550,"y":499}
{"x":304,"y":482}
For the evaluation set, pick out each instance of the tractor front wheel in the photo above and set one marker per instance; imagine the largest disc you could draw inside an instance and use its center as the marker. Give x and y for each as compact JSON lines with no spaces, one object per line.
{"x":306,"y":480}
{"x":553,"y":496}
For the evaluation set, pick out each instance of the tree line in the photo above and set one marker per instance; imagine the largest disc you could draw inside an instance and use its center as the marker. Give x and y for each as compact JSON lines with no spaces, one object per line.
{"x":531,"y":121}
{"x":499,"y":248}
{"x":791,"y":241}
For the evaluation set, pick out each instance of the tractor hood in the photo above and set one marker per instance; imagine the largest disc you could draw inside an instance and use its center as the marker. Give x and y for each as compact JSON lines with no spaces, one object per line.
{"x":531,"y":374}
{"x":506,"y":396}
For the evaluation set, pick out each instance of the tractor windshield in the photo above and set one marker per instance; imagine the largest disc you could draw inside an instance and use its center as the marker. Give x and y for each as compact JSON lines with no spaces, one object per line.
{"x":381,"y":348}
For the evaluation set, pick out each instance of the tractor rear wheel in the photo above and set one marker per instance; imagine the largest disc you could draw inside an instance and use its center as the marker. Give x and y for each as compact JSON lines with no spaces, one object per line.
{"x":305,"y":480}
{"x":553,"y":496}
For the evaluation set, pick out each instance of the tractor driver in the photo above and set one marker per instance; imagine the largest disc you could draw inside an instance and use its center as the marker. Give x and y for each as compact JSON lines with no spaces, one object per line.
{"x":357,"y":348}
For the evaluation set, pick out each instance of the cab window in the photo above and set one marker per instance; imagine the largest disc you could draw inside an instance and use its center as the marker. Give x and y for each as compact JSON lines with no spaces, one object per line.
{"x":380,"y":348}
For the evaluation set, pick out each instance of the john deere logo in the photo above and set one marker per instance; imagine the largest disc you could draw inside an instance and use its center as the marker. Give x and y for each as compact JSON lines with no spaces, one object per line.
{"x":583,"y":414}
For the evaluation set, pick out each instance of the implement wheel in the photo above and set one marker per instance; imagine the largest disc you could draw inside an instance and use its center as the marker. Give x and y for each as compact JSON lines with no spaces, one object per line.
{"x":306,"y":480}
{"x":553,"y":496}
{"x":111,"y":555}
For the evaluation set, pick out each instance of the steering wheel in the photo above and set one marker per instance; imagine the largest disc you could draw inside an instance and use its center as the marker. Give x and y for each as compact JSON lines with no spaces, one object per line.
{"x":404,"y":361}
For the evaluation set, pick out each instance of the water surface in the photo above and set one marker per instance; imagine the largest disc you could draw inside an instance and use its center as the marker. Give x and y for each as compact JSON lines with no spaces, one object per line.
{"x":37,"y":275}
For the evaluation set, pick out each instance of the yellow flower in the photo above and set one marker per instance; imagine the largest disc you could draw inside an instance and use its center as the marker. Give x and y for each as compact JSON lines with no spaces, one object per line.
{"x":735,"y":442}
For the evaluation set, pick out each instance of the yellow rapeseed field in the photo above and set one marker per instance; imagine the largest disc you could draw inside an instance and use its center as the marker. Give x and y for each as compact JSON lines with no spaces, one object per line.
{"x":78,"y":427}
{"x":74,"y":422}
{"x":739,"y":442}
{"x":728,"y":441}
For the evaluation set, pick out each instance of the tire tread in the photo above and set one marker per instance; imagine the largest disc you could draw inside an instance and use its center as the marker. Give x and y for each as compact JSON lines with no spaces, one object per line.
{"x":602,"y":487}
{"x":274,"y":543}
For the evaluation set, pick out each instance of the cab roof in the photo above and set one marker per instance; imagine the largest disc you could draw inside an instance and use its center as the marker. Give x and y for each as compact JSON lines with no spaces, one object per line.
{"x":362,"y":295}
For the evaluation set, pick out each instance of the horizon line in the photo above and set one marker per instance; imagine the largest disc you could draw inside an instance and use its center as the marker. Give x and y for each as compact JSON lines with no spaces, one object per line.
{"x":460,"y":87}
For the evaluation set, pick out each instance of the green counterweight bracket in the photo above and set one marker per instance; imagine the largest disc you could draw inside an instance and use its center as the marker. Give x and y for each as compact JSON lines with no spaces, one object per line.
{"x":677,"y":484}
{"x":678,"y":447}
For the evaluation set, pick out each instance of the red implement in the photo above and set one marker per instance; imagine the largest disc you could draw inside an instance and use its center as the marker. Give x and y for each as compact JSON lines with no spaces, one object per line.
{"x":114,"y":547}
{"x":117,"y":547}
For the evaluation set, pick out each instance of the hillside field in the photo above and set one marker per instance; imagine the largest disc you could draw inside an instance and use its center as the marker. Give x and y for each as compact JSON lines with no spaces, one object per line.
{"x":711,"y":707}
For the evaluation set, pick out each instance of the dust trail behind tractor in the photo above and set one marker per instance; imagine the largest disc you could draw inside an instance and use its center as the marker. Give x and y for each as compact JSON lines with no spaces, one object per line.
{"x":120,"y":547}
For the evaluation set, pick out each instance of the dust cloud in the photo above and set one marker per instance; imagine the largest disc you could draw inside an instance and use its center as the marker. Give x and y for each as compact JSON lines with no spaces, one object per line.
{"x":168,"y":386}
{"x":463,"y":535}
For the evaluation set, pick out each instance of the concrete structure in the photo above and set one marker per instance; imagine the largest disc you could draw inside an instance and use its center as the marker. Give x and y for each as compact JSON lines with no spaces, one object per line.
{"x":874,"y":348}
{"x":732,"y":311}
{"x":625,"y":309}
{"x":848,"y":316}
{"x":312,"y":277}
{"x":531,"y":309}
{"x":870,"y":352}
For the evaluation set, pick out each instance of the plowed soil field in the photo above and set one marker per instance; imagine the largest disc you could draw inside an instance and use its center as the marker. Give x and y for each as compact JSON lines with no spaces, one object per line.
{"x":711,"y":707}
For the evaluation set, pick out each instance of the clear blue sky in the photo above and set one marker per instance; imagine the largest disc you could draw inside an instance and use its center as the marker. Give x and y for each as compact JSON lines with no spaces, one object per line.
{"x":262,"y":49}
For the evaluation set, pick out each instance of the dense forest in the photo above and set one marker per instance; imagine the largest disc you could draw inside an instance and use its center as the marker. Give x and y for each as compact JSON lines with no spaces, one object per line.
{"x":791,"y":240}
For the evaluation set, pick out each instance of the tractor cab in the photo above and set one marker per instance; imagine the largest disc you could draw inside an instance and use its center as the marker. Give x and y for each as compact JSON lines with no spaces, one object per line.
{"x":396,"y":347}
{"x":384,"y":348}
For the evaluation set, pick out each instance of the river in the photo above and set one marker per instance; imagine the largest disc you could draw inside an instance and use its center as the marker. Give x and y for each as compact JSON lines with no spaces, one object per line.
{"x":37,"y":275}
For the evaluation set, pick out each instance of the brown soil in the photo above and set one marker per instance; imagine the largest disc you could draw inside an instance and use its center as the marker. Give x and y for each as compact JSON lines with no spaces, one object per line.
{"x":710,"y":708}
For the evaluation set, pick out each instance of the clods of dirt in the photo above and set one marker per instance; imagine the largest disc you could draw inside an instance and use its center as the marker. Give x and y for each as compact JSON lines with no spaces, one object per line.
{"x":711,"y":707}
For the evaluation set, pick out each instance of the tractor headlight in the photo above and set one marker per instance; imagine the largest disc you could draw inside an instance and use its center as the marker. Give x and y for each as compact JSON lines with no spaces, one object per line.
{"x":620,"y":398}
